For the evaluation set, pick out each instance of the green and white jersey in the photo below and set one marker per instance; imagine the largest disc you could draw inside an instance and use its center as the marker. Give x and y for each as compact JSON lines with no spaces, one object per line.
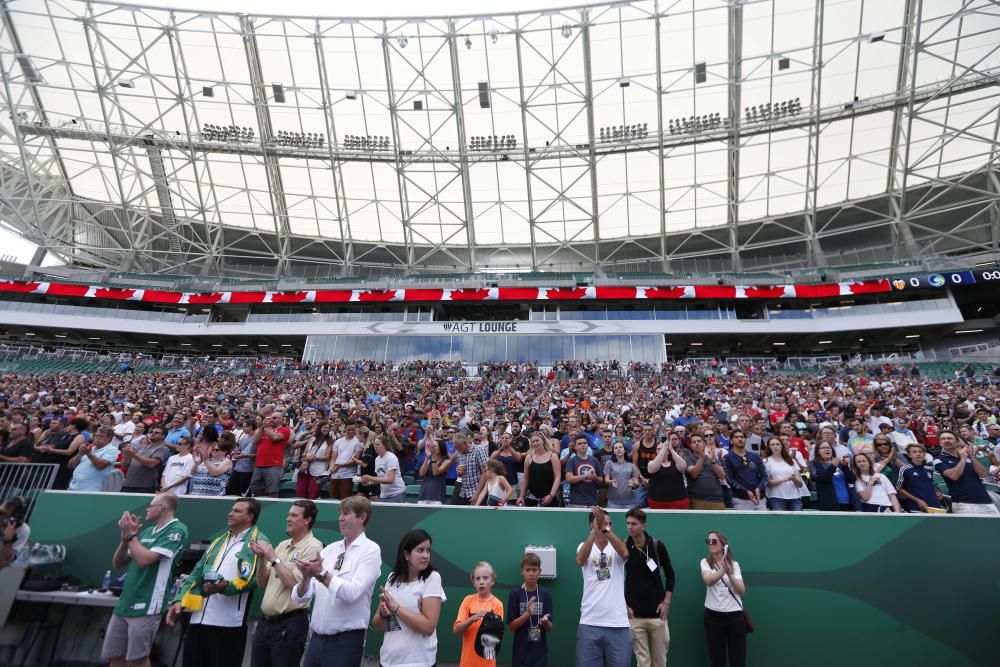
{"x":146,"y":588}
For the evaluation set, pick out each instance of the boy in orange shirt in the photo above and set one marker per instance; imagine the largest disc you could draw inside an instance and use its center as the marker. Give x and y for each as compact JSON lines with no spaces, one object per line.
{"x":470,"y":616}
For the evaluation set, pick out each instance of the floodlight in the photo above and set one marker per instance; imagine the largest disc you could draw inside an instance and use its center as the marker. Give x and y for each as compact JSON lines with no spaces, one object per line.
{"x":567,"y":30}
{"x":624,"y":82}
{"x":876,"y":37}
{"x":403,"y":41}
{"x":351,"y":94}
{"x":126,"y":83}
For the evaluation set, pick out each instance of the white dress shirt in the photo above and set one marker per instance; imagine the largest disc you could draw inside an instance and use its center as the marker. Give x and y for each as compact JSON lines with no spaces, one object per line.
{"x":346,"y":603}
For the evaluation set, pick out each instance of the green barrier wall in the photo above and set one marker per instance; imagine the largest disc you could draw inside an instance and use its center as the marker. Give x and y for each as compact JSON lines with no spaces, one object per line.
{"x":823,"y":589}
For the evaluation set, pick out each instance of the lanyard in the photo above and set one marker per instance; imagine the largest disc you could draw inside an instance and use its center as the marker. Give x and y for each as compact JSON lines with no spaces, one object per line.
{"x":532,"y":623}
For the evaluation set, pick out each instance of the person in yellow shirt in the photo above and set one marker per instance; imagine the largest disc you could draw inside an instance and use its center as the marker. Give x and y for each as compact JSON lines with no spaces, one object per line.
{"x":470,"y":616}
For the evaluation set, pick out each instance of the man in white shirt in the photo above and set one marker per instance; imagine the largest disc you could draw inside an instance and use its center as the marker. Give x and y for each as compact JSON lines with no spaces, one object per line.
{"x":178,"y":470}
{"x":341,"y":579}
{"x":125,"y":429}
{"x":604,"y":636}
{"x":218,"y":592}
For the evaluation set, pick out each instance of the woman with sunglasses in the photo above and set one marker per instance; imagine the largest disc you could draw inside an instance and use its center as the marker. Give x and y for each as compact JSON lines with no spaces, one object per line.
{"x":725,"y":626}
{"x":211,"y":474}
{"x":887,"y":459}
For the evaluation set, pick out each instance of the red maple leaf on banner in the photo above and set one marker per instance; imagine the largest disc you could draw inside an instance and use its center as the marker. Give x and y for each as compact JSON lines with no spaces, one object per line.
{"x":205,"y":297}
{"x":870,"y":286}
{"x":114,"y":293}
{"x":288,"y":297}
{"x":18,"y":286}
{"x":569,"y":293}
{"x":469,"y":294}
{"x":377,"y":295}
{"x":664,"y":292}
{"x":765,"y":292}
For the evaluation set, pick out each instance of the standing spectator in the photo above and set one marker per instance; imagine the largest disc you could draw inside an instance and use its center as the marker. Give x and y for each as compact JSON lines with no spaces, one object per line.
{"x":581,"y":473}
{"x":410,"y":605}
{"x":176,"y":430}
{"x":315,"y":467}
{"x":647,"y":593}
{"x":876,"y":492}
{"x":471,"y":462}
{"x":784,"y":477}
{"x":915,"y":483}
{"x":498,"y":490}
{"x":19,"y":447}
{"x":643,"y":452}
{"x":144,"y":462}
{"x":218,"y":592}
{"x":963,"y":474}
{"x":666,"y":477}
{"x":92,"y":464}
{"x":341,"y":579}
{"x":529,"y":616}
{"x":470,"y":617}
{"x":150,"y":554}
{"x":834,"y":480}
{"x":542,"y":475}
{"x":705,"y":475}
{"x":725,"y":627}
{"x":54,"y":447}
{"x":434,"y":471}
{"x":125,"y":430}
{"x":387,"y":475}
{"x":211,"y":474}
{"x":745,"y":474}
{"x":271,"y":437}
{"x":343,"y":463}
{"x":179,"y":469}
{"x":622,"y":478}
{"x":603,"y":637}
{"x":239,"y":482}
{"x":280,"y":636}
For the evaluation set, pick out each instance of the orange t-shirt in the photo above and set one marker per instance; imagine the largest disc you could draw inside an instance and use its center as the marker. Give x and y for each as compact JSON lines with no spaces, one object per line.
{"x":472,"y":605}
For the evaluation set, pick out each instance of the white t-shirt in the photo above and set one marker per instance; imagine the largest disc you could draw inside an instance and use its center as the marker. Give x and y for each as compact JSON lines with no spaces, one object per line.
{"x":343,"y":452}
{"x":178,"y":466}
{"x":123,"y":432}
{"x":318,"y":468}
{"x":880,"y":491}
{"x":404,"y":646}
{"x":717,"y":597}
{"x":383,"y":464}
{"x":603,"y":604}
{"x":778,"y":469}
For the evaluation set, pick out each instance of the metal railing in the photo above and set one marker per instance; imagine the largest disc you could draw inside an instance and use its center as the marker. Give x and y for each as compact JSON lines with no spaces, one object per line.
{"x":27,"y":481}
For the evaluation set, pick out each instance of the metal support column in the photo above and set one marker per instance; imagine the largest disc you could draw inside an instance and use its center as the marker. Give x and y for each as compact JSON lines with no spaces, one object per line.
{"x":814,"y":250}
{"x":591,"y":141}
{"x":660,"y":153}
{"x":404,"y":208}
{"x":735,"y":79}
{"x":463,"y":146}
{"x":524,"y":141}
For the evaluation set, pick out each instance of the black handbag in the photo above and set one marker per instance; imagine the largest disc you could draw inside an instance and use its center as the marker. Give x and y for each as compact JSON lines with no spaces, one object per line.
{"x":746,"y":615}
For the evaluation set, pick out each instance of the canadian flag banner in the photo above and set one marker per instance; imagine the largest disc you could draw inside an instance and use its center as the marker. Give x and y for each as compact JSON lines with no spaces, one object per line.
{"x":618,"y":293}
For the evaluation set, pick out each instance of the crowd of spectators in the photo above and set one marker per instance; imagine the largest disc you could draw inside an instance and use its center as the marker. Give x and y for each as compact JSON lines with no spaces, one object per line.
{"x":667,"y":436}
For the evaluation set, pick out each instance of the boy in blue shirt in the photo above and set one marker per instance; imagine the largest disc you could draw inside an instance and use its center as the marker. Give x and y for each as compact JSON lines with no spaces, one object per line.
{"x":529,"y":609}
{"x":915,"y":483}
{"x":581,"y":474}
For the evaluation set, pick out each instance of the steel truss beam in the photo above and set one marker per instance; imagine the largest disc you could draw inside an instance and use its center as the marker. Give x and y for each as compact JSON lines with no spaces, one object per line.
{"x":734,"y":96}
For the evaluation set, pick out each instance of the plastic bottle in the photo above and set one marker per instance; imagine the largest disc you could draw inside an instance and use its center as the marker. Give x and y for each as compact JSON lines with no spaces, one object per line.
{"x":106,"y":582}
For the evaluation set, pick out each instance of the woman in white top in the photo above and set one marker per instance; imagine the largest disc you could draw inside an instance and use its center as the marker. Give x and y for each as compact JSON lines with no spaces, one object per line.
{"x":784,"y":477}
{"x":725,"y":626}
{"x":410,"y":605}
{"x":875,"y":491}
{"x":392,"y":488}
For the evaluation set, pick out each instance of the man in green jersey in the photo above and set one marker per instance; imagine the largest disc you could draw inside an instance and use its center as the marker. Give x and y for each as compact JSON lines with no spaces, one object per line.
{"x":151,"y":555}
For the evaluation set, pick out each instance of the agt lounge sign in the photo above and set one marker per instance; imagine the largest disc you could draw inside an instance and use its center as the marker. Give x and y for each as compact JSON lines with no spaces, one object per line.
{"x":479,"y":327}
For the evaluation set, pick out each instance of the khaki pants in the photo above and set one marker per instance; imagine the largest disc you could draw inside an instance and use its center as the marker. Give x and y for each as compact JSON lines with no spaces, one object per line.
{"x":650,"y":640}
{"x":706,"y":505}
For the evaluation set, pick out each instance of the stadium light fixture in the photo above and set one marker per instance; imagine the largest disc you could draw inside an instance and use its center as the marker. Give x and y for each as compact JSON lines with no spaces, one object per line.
{"x":216,"y":344}
{"x":278,"y":91}
{"x":965,"y":331}
{"x":494,"y":34}
{"x":567,"y":30}
{"x":60,"y":335}
{"x":700,"y":72}
{"x":778,"y":343}
{"x":403,"y":41}
{"x":28,"y":333}
{"x":468,"y":42}
{"x":825,"y":342}
{"x":696,"y":344}
{"x":351,"y":95}
{"x":624,"y":82}
{"x":914,"y":336}
{"x":126,"y":83}
{"x":876,"y":37}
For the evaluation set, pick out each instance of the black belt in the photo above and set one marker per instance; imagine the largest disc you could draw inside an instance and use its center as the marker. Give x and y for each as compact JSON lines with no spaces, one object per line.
{"x":282,"y":617}
{"x":722,"y":613}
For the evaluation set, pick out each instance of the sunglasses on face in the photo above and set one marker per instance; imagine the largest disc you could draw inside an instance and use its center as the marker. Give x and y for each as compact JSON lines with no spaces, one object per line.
{"x":711,"y":540}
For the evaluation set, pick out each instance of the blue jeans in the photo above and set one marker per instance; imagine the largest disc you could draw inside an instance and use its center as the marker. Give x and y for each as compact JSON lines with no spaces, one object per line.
{"x":784,"y":504}
{"x":344,"y":649}
{"x":280,"y":642}
{"x":398,"y":498}
{"x":641,"y":493}
{"x":603,"y":647}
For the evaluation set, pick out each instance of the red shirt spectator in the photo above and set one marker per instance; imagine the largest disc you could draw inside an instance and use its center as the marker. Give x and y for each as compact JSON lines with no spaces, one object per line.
{"x":271,"y":453}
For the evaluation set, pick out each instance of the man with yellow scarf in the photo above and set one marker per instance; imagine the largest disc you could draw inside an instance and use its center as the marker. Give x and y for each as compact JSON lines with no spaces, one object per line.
{"x":218,"y":592}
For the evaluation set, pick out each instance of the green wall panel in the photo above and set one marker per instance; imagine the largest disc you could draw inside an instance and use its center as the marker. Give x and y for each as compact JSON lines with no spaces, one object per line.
{"x":824,"y":589}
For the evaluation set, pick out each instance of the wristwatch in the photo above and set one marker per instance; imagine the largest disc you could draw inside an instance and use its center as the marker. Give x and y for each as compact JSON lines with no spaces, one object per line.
{"x":323,"y":575}
{"x":276,"y":561}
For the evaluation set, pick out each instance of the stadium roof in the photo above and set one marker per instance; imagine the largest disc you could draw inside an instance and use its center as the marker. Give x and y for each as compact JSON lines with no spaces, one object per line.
{"x":644,"y":135}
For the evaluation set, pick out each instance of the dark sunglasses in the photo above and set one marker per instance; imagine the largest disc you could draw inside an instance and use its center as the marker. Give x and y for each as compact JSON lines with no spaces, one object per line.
{"x":711,"y":540}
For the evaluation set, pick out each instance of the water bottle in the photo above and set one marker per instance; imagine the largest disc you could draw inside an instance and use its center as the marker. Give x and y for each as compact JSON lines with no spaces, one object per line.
{"x":106,"y":582}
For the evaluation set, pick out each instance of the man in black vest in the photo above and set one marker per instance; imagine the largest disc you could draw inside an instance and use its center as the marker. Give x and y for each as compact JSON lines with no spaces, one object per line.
{"x":647,"y":592}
